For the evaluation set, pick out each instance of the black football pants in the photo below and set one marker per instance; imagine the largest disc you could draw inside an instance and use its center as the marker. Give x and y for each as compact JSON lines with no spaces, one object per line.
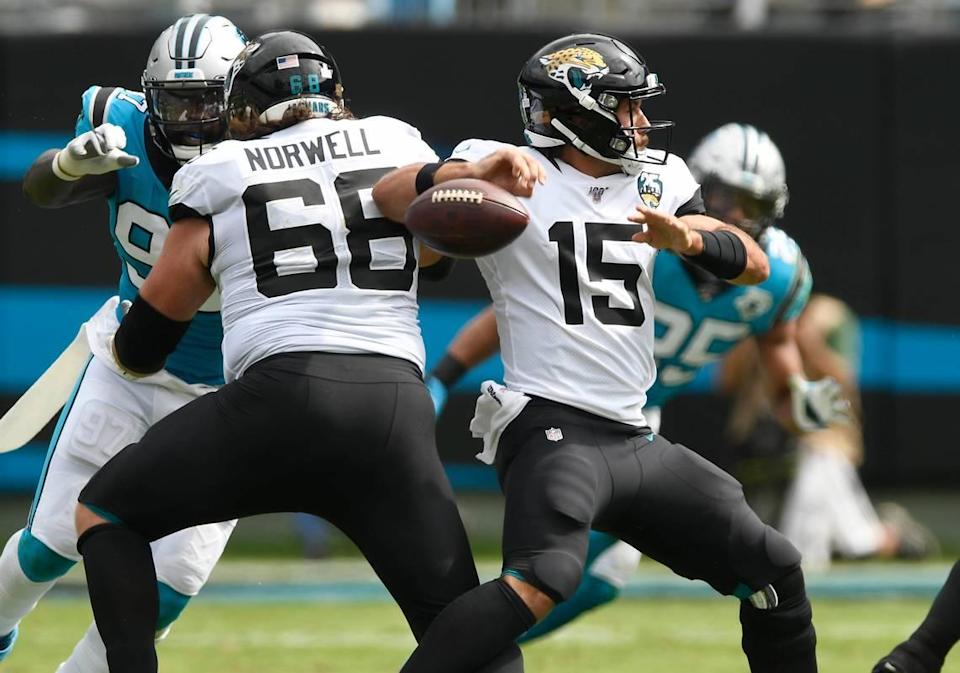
{"x":349,"y":438}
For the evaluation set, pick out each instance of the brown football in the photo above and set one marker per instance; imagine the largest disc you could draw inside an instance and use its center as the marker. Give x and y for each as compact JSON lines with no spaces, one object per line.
{"x":466,"y":217}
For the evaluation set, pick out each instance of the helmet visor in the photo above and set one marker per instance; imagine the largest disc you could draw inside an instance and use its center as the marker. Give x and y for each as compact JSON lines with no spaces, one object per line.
{"x":188,"y":115}
{"x":739,"y":207}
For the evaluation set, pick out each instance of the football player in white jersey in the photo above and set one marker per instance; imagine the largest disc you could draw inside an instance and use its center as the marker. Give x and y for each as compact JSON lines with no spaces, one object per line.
{"x":324,"y":410}
{"x":574,"y":303}
{"x":127,"y":147}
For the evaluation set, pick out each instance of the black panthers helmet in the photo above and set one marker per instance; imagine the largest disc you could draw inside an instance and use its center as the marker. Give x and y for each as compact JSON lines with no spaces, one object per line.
{"x":569,"y":93}
{"x":276,"y":72}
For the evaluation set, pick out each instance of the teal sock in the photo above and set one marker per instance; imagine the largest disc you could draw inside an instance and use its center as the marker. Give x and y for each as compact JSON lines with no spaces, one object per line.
{"x":592,"y":592}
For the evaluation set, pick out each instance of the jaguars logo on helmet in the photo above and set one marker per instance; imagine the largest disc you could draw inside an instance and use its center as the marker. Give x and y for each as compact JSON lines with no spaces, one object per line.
{"x":571,"y":90}
{"x":575,"y":67}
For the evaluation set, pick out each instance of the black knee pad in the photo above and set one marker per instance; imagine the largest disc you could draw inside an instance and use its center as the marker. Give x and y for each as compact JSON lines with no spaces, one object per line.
{"x":778,"y":631}
{"x":555,"y":573}
{"x":760,"y":554}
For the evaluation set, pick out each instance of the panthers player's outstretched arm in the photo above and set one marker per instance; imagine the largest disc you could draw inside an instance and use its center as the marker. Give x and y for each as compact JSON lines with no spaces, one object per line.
{"x":43,"y":188}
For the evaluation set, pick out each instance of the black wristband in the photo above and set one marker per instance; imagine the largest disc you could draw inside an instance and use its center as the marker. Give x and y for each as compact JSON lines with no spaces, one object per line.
{"x":425,"y":175}
{"x":724,"y":254}
{"x":449,"y":370}
{"x":146,"y":337}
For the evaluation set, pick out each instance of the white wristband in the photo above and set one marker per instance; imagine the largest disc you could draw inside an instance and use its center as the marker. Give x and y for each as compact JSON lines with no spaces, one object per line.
{"x":59,"y":172}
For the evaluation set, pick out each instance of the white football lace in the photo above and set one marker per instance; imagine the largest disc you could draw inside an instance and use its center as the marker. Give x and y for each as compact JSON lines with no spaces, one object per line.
{"x":468,"y":195}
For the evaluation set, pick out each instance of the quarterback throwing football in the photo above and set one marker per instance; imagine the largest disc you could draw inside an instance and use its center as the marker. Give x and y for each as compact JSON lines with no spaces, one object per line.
{"x":574,"y":305}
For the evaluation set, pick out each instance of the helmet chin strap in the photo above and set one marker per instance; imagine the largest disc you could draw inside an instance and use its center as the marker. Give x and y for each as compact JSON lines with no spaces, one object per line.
{"x":628,"y":166}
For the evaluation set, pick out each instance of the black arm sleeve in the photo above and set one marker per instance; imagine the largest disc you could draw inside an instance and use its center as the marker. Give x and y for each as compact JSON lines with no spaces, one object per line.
{"x":146,"y":337}
{"x":694,"y":206}
{"x":44,"y":189}
{"x":724,"y":254}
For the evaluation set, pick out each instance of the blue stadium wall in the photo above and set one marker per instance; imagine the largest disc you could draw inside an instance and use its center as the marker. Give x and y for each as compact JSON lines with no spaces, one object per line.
{"x":866,"y":123}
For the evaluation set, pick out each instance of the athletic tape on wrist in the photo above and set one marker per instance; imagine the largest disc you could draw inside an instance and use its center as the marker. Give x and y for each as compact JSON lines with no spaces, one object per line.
{"x":724,"y":254}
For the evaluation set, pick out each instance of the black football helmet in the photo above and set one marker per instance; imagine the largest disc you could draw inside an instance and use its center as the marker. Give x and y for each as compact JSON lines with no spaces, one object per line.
{"x":570,"y":91}
{"x":278,"y":71}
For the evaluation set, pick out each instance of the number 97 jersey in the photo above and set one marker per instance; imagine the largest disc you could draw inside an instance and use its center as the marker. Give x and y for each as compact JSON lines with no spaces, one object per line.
{"x":573,"y":294}
{"x":139,"y":224}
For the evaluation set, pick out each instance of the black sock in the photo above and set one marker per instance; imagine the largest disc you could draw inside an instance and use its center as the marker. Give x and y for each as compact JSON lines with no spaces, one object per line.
{"x":474,"y":632}
{"x":122,"y":584}
{"x":781,"y":639}
{"x":940,"y":629}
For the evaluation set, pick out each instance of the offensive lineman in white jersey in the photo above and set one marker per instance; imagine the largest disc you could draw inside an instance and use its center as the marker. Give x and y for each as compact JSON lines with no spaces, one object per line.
{"x":324,"y":410}
{"x":574,"y":303}
{"x":128,"y":146}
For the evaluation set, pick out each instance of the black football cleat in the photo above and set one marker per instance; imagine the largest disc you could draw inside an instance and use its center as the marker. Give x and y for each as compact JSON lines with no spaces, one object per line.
{"x":909,"y":657}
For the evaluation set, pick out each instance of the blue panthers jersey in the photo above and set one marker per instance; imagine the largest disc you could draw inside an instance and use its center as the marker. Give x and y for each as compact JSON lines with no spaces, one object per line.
{"x":697,"y":325}
{"x":139,"y":224}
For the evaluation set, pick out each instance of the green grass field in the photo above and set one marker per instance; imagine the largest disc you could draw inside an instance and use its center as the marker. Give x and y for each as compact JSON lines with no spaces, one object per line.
{"x":366,"y":637}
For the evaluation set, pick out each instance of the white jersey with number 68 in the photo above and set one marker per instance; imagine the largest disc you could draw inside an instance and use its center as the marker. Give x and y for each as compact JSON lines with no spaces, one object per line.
{"x":572,"y":294}
{"x":303,"y":257}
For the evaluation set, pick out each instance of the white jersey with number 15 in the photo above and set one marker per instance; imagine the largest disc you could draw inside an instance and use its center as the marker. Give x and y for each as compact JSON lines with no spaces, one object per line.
{"x":572,"y":294}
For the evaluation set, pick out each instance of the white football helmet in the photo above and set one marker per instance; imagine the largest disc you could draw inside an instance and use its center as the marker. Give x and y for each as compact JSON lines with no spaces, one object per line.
{"x":739,"y":165}
{"x":183,"y":83}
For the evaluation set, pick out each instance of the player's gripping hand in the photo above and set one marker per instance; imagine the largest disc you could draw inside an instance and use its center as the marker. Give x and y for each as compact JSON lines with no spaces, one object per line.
{"x":94,"y":153}
{"x":508,"y":167}
{"x":666,"y":232}
{"x":816,"y":404}
{"x":438,"y":393}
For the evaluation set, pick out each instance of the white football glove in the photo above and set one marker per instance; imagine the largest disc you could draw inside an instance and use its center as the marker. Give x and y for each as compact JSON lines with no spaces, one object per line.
{"x":816,"y":404}
{"x":94,"y":153}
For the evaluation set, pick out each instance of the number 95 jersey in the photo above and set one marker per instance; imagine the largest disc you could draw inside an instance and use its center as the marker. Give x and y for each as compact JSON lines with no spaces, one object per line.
{"x":139,"y":224}
{"x":303,"y":257}
{"x":697,"y":324}
{"x":573,"y":295}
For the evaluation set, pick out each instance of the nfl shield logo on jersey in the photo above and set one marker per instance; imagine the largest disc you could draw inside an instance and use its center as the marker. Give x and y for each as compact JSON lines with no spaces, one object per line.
{"x":553,"y":434}
{"x":651,"y":189}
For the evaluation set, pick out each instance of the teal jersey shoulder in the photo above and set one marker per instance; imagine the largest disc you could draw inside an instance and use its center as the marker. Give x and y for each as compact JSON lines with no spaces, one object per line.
{"x":139,"y":224}
{"x":693,"y":331}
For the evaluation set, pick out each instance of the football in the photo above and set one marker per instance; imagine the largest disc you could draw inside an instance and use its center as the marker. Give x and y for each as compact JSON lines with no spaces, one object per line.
{"x":466,"y":218}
